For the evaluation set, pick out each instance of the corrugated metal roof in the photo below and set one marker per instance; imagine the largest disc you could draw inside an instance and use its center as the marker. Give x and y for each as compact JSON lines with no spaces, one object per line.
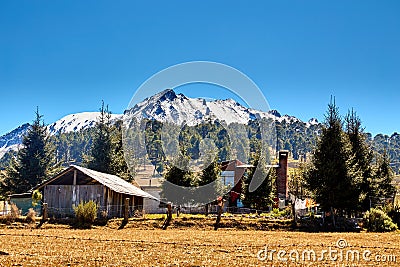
{"x":115,"y":183}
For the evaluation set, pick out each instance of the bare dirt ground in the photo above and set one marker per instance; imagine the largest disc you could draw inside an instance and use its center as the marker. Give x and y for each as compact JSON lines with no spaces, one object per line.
{"x":105,"y":246}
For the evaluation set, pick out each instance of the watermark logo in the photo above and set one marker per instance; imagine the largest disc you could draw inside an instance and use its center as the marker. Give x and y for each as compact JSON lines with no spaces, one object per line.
{"x":166,"y":148}
{"x":339,"y":253}
{"x":341,"y":243}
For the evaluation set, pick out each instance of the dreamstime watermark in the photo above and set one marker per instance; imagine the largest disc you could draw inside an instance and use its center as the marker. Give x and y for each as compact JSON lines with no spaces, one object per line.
{"x":340,"y":253}
{"x":136,"y":122}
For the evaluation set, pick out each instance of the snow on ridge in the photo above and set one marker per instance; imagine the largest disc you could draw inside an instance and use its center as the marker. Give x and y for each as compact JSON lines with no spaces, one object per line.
{"x":312,"y":121}
{"x":77,"y":121}
{"x":177,"y":108}
{"x":5,"y":149}
{"x":180,"y":109}
{"x":288,"y":119}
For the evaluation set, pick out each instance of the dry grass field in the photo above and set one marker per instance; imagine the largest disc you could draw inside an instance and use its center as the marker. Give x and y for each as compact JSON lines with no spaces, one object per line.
{"x":107,"y":246}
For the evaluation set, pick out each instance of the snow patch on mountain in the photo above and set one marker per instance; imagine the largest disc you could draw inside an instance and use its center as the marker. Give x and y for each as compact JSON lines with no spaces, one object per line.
{"x":69,"y":123}
{"x":179,"y":109}
{"x":13,"y":139}
{"x":76,"y":122}
{"x":5,"y":149}
{"x":312,"y":121}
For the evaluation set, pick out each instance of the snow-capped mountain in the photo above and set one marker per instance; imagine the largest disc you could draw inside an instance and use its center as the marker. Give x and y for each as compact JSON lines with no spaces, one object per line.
{"x":69,"y":123}
{"x":164,"y":106}
{"x":177,"y":108}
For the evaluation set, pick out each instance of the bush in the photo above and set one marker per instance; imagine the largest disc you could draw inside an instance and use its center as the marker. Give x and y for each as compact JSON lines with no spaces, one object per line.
{"x":36,"y":198}
{"x":277,"y":213}
{"x":376,"y":220}
{"x":31,"y":216}
{"x":15,"y":212}
{"x":86,"y":214}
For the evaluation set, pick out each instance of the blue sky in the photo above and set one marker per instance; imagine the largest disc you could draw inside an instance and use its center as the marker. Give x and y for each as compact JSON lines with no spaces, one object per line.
{"x":67,"y":56}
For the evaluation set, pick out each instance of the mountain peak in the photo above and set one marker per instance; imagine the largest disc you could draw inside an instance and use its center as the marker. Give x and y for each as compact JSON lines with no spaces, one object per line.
{"x":167,"y":94}
{"x":167,"y":106}
{"x":275,"y":113}
{"x":313,"y":121}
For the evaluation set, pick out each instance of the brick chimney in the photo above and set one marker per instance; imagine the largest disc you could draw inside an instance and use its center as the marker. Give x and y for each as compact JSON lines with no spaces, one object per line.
{"x":281,"y":175}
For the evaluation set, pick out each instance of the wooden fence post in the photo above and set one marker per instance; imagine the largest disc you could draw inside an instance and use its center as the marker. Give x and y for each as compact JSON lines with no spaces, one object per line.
{"x":169,"y":216}
{"x":45,"y":212}
{"x":219,"y":212}
{"x":126,"y":210}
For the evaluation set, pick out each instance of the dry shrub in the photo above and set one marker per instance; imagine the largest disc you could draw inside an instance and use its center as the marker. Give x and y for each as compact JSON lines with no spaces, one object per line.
{"x":31,"y":216}
{"x":15,"y":212}
{"x":86,"y":214}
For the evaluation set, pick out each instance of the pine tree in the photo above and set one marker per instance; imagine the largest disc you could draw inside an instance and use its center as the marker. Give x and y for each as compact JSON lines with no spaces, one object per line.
{"x":35,"y":161}
{"x":178,"y":175}
{"x":100,"y":158}
{"x":154,"y":144}
{"x":384,"y":176}
{"x":262,"y":197}
{"x":209,"y":175}
{"x":361,"y":159}
{"x":119,"y":166}
{"x":296,"y":184}
{"x":11,"y":181}
{"x":329,"y":177}
{"x":106,"y":153}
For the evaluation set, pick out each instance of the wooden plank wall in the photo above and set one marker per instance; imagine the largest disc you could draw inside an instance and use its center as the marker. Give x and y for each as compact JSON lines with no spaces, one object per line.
{"x":65,"y":196}
{"x":114,"y":203}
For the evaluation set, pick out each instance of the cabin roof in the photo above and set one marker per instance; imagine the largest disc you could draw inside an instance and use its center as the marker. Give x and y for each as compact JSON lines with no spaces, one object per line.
{"x":111,"y":181}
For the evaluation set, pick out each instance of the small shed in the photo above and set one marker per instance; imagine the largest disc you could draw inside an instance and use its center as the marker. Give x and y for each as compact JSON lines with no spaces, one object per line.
{"x":24,"y":202}
{"x":77,"y":184}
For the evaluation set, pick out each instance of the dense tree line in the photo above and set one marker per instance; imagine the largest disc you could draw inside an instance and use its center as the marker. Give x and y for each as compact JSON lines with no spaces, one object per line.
{"x":296,"y":136}
{"x":389,"y":145}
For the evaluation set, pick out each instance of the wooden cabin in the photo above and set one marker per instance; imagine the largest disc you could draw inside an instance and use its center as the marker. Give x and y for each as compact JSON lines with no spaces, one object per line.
{"x":77,"y":184}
